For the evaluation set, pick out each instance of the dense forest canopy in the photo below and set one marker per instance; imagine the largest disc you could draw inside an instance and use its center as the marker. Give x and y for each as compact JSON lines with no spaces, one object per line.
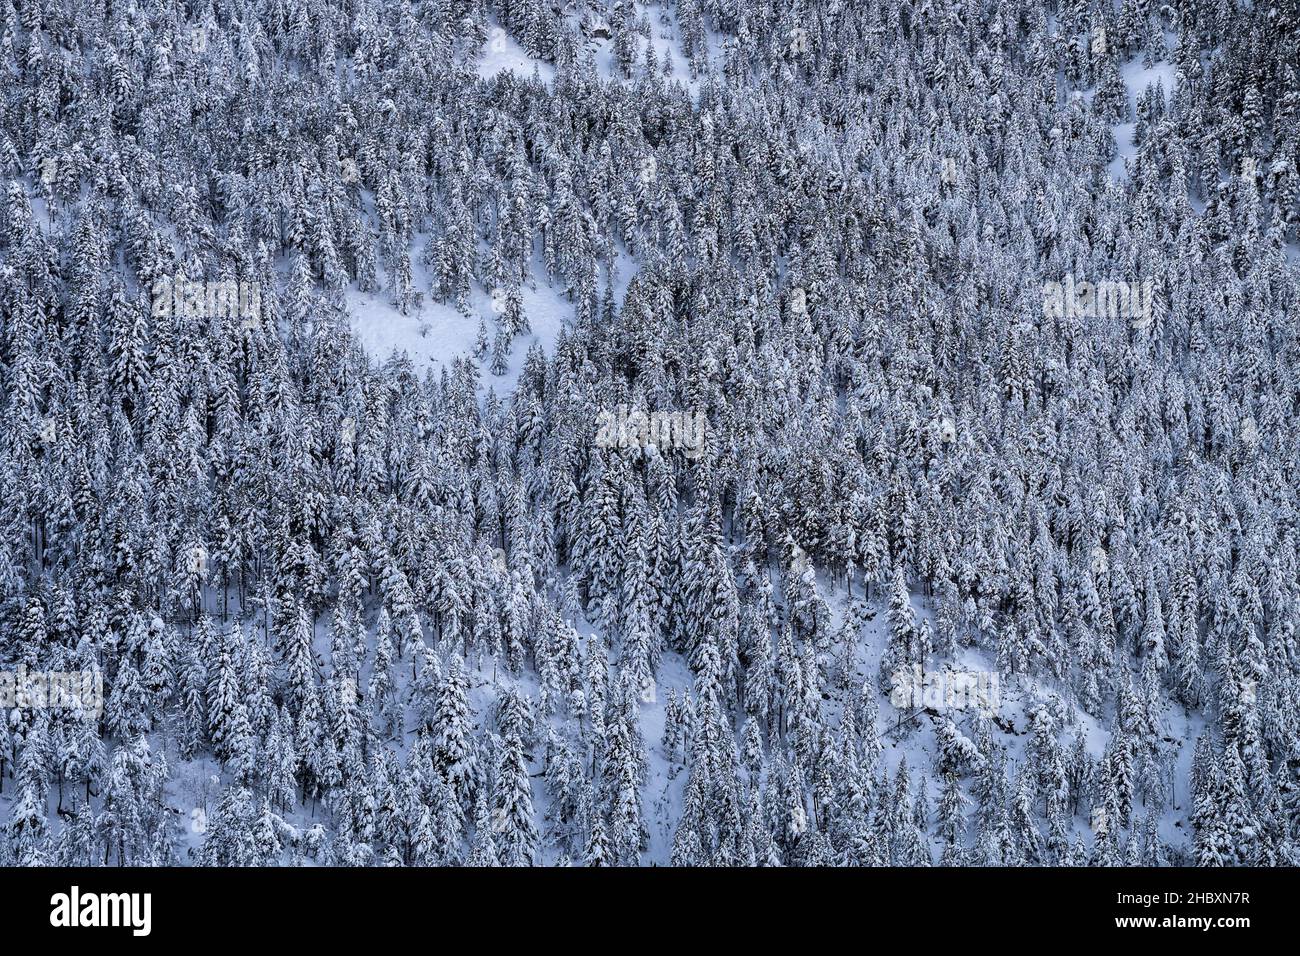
{"x":956,"y":341}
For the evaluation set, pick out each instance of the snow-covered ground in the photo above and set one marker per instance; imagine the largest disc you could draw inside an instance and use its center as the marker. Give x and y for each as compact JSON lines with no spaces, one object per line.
{"x":502,"y":52}
{"x":1137,"y":79}
{"x":434,"y":333}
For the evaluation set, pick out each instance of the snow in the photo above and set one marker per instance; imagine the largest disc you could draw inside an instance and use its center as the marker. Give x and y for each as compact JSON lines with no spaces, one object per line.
{"x":502,"y":53}
{"x":665,"y":36}
{"x":1137,"y":78}
{"x":434,"y":333}
{"x":196,"y":785}
{"x":1118,"y":167}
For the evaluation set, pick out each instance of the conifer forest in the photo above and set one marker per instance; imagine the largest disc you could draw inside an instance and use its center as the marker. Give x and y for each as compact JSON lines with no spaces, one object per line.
{"x":729,"y":433}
